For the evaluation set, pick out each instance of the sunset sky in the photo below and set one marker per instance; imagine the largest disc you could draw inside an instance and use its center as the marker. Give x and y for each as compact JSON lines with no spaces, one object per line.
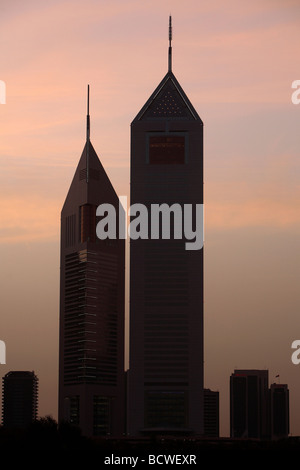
{"x":236,"y":61}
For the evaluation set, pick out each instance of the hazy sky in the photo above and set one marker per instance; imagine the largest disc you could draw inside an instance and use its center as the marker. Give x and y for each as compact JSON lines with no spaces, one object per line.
{"x":236,"y":60}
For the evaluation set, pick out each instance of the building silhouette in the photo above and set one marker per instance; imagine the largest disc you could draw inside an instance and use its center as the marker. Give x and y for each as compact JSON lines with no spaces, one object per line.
{"x":91,"y":358}
{"x":211,"y":413}
{"x":249,"y":416}
{"x":20,"y":399}
{"x":257,"y":411}
{"x":279,"y":411}
{"x":166,"y":280}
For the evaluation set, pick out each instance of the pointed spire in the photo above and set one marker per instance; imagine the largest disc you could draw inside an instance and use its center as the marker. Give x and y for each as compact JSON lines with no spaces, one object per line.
{"x":87,"y":133}
{"x":88,"y":115}
{"x":170,"y":44}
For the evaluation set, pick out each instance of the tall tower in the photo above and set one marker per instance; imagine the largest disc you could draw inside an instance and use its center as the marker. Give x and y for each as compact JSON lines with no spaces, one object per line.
{"x":166,"y":279}
{"x":91,"y":358}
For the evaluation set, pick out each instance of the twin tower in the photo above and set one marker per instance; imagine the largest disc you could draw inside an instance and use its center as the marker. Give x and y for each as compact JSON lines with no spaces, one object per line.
{"x":163,"y":389}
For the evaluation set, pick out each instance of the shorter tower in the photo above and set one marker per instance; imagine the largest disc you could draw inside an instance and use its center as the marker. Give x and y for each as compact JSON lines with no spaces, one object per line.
{"x":211,"y":413}
{"x":92,"y":273}
{"x":249,"y":417}
{"x":20,"y":399}
{"x":279,"y":411}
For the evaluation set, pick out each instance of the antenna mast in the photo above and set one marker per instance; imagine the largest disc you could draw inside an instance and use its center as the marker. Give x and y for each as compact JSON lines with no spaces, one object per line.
{"x":88,"y":115}
{"x":87,"y":133}
{"x":170,"y":44}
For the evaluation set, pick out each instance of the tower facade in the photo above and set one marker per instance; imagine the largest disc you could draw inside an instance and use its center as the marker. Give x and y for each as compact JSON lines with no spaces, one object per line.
{"x":279,"y":411}
{"x":20,"y":399}
{"x":249,"y":404}
{"x":91,"y":358}
{"x":211,"y":413}
{"x":166,"y":278}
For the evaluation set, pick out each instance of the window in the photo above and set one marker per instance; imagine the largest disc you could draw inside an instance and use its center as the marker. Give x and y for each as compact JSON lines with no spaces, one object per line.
{"x":70,"y":230}
{"x":167,"y":149}
{"x":166,"y":409}
{"x":87,"y":223}
{"x":101,"y":413}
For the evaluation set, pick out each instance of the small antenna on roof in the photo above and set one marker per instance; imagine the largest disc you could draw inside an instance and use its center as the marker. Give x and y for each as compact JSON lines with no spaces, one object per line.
{"x":88,"y":134}
{"x":170,"y":43}
{"x":88,"y":115}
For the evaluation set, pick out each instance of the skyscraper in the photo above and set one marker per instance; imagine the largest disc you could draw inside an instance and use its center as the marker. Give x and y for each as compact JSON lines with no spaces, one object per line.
{"x":20,"y":399}
{"x":279,"y":411}
{"x":249,"y":409}
{"x":166,"y":279}
{"x":91,"y":359}
{"x":211,"y":413}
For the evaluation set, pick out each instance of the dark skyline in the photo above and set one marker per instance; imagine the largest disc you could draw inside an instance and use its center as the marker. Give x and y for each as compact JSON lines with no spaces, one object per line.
{"x":257,"y":410}
{"x":237,"y":65}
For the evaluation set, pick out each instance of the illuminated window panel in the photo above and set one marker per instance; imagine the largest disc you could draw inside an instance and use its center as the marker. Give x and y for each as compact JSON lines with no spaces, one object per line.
{"x":167,"y":150}
{"x":87,"y":223}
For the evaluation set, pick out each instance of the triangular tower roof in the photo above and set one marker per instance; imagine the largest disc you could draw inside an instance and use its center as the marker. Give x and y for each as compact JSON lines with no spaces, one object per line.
{"x":168,"y":99}
{"x":90,"y":180}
